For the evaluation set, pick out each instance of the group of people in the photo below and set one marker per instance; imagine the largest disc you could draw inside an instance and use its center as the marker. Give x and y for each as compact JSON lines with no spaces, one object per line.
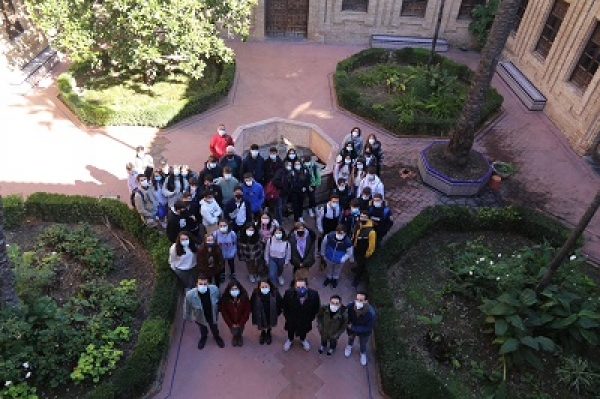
{"x":236,"y":207}
{"x":300,"y":306}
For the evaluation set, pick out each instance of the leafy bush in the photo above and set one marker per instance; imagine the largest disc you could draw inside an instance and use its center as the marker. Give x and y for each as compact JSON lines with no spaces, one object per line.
{"x":14,"y":211}
{"x":138,"y":371}
{"x":483,"y":18}
{"x":427,"y":100}
{"x":33,"y":274}
{"x":161,"y":113}
{"x":578,"y":374}
{"x":402,"y":376}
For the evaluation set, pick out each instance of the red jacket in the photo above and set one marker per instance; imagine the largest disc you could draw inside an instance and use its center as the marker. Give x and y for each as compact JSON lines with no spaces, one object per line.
{"x":218,"y":145}
{"x":235,"y":312}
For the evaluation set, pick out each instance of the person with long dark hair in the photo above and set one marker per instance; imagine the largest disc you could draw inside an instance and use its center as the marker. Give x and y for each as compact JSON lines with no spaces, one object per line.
{"x":235,"y":309}
{"x":266,"y":307}
{"x":210,"y":261}
{"x":182,"y":259}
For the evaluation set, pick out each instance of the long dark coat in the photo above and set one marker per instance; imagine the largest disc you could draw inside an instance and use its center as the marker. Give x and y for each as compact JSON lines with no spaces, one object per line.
{"x":299,"y":317}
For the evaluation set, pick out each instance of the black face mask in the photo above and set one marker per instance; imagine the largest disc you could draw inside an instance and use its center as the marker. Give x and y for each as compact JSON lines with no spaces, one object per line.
{"x":300,"y":233}
{"x":238,"y":196}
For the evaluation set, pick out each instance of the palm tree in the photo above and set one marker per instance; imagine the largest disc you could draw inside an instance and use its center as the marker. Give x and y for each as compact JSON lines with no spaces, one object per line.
{"x":463,"y":134}
{"x":8,"y":295}
{"x":570,"y":244}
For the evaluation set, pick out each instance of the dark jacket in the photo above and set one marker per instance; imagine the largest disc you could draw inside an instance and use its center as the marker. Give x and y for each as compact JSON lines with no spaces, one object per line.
{"x":345,"y":197}
{"x":250,"y":248}
{"x":299,"y":317}
{"x":309,"y":254}
{"x":207,"y":266}
{"x":282,"y":180}
{"x":382,"y":219}
{"x":231,"y":207}
{"x":178,"y":223}
{"x":235,"y":311}
{"x":256,"y":166}
{"x":259,"y":317}
{"x":332,"y":325}
{"x":215,"y":172}
{"x":217,"y":193}
{"x":235,"y":163}
{"x":271,"y":167}
{"x":299,"y":181}
{"x":361,"y":323}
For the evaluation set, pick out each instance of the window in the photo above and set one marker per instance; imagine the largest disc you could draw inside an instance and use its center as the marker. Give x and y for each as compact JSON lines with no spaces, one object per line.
{"x":520,"y":13}
{"x":10,"y":19}
{"x":414,"y":8}
{"x":355,"y":5}
{"x":467,"y":6}
{"x":589,"y":61}
{"x":551,"y":28}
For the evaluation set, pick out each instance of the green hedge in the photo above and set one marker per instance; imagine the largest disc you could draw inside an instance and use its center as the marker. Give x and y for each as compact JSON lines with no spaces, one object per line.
{"x":158,"y":116}
{"x":349,"y":97}
{"x":134,"y":378}
{"x":14,"y":211}
{"x":402,"y":376}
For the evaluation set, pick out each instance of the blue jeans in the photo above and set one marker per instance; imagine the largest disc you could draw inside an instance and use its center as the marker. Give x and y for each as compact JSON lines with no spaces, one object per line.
{"x":362,"y":339}
{"x":275,"y":269}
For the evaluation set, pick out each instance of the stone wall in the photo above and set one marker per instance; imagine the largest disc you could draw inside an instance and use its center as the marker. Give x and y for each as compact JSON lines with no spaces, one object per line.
{"x":576,"y":112}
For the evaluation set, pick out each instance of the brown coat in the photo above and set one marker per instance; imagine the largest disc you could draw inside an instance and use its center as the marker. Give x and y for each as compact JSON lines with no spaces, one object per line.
{"x":210,"y":263}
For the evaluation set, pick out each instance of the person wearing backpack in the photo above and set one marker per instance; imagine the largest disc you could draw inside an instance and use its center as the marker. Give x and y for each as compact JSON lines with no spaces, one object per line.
{"x":381,"y":215}
{"x":227,"y":240}
{"x":144,"y":202}
{"x":277,"y":254}
{"x":364,"y":239}
{"x":336,"y":250}
{"x":315,"y":181}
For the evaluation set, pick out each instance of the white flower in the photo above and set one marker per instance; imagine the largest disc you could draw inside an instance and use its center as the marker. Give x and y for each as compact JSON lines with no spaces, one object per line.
{"x":499,"y":255}
{"x":519,"y":256}
{"x":476,"y":262}
{"x":491,"y":262}
{"x":573,"y":257}
{"x":26,"y":365}
{"x":481,"y":259}
{"x":470,"y":272}
{"x":498,"y":278}
{"x":28,"y":374}
{"x":7,"y":383}
{"x":53,"y":252}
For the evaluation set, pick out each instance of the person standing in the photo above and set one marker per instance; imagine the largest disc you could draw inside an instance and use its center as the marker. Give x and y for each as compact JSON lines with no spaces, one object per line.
{"x":227,"y":241}
{"x":272,"y":164}
{"x":227,"y":183}
{"x":267,"y":305}
{"x":376,"y":149}
{"x":254,"y":193}
{"x":356,"y":139}
{"x":372,"y":181}
{"x":277,"y":255}
{"x":300,"y":307}
{"x":336,"y":250}
{"x":210,"y":211}
{"x":219,"y":142}
{"x":381,"y":216}
{"x":299,"y":185}
{"x":143,"y":162}
{"x":131,"y":177}
{"x":350,"y":220}
{"x":145,"y":201}
{"x":328,"y":218}
{"x":250,"y":250}
{"x":303,"y":242}
{"x":237,"y":210}
{"x":210,"y":261}
{"x":202,"y":304}
{"x":178,"y":221}
{"x":235,"y":309}
{"x":332,"y":321}
{"x":314,"y":173}
{"x":232,"y":160}
{"x":212,"y":167}
{"x":254,"y":163}
{"x":361,"y":320}
{"x":281,"y":181}
{"x":364,"y":240}
{"x":182,"y":259}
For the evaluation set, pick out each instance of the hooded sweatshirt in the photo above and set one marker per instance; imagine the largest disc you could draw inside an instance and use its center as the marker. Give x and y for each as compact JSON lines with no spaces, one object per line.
{"x":211,"y":212}
{"x":376,"y":185}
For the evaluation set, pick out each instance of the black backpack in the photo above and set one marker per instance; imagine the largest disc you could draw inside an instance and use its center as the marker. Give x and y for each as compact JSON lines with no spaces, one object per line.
{"x":132,"y":197}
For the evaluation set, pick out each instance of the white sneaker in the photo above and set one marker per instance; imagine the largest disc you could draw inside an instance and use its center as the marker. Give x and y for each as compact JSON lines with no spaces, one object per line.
{"x":348,"y":351}
{"x":311,"y":213}
{"x":287,"y":345}
{"x":280,"y":280}
{"x":252,"y":278}
{"x":301,"y":219}
{"x":306,"y":345}
{"x":363,"y":359}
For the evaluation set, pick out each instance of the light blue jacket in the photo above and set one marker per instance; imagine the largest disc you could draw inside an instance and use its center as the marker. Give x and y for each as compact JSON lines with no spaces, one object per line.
{"x":193,"y":305}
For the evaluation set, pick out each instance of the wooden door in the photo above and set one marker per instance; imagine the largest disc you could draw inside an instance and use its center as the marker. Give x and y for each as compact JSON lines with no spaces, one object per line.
{"x":286,"y":18}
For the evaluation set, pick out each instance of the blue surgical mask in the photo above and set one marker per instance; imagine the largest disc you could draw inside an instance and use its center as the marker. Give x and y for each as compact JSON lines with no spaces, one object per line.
{"x":158,"y":178}
{"x":202,"y":289}
{"x":302,"y":291}
{"x":355,"y":211}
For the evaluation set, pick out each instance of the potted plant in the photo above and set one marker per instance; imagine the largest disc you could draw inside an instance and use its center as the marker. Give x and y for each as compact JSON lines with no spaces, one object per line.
{"x":502,"y":169}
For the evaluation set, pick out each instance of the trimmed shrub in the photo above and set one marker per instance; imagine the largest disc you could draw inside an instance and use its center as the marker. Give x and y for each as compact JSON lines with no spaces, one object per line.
{"x":402,"y":376}
{"x":139,"y":371}
{"x":14,"y":211}
{"x":161,"y":115}
{"x":350,"y":98}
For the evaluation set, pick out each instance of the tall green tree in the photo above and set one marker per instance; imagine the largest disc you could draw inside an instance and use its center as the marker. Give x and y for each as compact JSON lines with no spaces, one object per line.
{"x":149,"y":36}
{"x":8,"y":294}
{"x":463,"y":134}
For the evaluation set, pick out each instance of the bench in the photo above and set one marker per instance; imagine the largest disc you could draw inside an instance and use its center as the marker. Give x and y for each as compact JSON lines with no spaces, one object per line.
{"x":533,"y":99}
{"x":30,"y":75}
{"x":398,"y":42}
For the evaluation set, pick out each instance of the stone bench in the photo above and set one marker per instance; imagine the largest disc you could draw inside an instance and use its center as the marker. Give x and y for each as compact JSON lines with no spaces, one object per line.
{"x":30,"y":75}
{"x":533,"y":99}
{"x":398,"y":42}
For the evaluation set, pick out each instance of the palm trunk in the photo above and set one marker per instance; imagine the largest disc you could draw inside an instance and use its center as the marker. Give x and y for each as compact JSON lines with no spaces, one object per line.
{"x":570,"y":244}
{"x":463,"y":134}
{"x":8,"y":295}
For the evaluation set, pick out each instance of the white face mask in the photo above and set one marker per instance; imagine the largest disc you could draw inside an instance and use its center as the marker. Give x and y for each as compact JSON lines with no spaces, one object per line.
{"x":359,"y":305}
{"x":289,"y":167}
{"x":176,"y":173}
{"x":307,"y":164}
{"x":227,"y":176}
{"x":202,"y":289}
{"x":185,"y":243}
{"x":348,"y":161}
{"x":365,"y":197}
{"x":265,"y":290}
{"x":273,"y":156}
{"x":234,"y":293}
{"x":145,"y":184}
{"x":377,"y":204}
{"x":265,"y":221}
{"x":354,"y":134}
{"x":371,"y":141}
{"x":334,"y":308}
{"x":279,"y":236}
{"x":254,"y":152}
{"x":223,"y":229}
{"x":348,"y":148}
{"x":371,"y":177}
{"x":222,"y":132}
{"x":212,"y":165}
{"x":166,"y":171}
{"x":249,"y":233}
{"x":292,"y":156}
{"x":340,"y":236}
{"x":359,"y":165}
{"x":248,"y":182}
{"x":297,"y":167}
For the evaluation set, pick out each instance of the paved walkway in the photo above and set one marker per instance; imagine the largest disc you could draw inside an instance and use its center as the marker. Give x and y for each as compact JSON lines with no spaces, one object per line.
{"x":44,"y":149}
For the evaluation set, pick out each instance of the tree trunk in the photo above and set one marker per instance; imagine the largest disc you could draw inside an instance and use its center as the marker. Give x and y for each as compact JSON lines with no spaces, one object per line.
{"x":463,"y":134}
{"x":8,"y":295}
{"x":436,"y":34}
{"x":569,"y":245}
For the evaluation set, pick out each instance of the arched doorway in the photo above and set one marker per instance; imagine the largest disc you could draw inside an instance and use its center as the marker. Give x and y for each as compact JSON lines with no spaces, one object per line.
{"x":286,"y":18}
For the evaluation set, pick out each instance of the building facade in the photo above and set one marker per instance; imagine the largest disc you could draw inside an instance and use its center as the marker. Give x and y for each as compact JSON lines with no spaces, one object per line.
{"x":556,"y":44}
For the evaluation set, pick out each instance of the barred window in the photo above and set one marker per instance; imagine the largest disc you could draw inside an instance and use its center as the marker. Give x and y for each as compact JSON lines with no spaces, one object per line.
{"x":414,"y":8}
{"x":551,"y":28}
{"x":520,"y":13}
{"x":467,"y":6}
{"x":355,"y":5}
{"x":589,"y":61}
